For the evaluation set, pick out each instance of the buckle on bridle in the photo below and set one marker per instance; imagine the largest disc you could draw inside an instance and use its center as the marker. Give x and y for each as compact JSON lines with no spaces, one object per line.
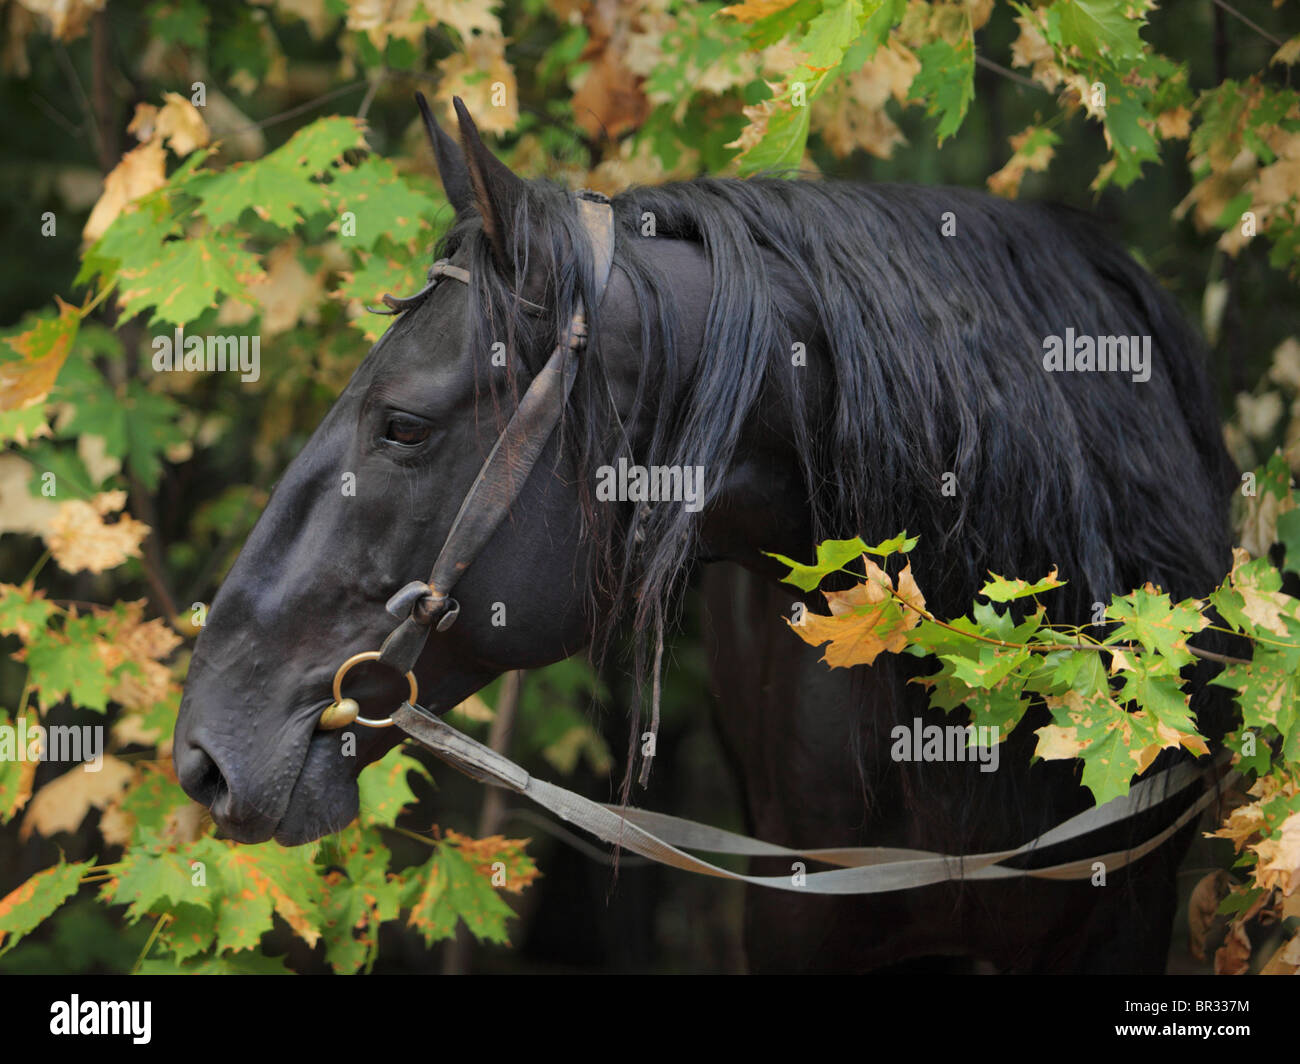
{"x":421,"y":603}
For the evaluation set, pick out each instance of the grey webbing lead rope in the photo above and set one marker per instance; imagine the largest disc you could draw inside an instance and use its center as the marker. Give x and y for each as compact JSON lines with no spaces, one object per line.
{"x":867,"y":870}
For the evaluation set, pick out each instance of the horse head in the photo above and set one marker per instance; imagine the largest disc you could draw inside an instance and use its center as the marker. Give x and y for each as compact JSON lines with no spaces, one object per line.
{"x":362,"y":510}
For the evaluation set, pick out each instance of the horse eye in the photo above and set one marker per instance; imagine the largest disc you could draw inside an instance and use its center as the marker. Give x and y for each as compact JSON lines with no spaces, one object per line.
{"x":407,"y":431}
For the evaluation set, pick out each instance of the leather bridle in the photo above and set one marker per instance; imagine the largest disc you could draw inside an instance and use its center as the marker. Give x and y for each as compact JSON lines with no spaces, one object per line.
{"x":426,"y":606}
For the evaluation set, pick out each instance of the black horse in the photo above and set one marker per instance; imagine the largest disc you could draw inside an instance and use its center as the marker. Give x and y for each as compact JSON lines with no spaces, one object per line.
{"x":839,"y":359}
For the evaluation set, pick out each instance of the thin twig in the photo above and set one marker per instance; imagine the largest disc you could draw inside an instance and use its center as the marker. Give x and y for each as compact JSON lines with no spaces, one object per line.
{"x":153,"y":935}
{"x":293,"y":112}
{"x":1254,"y":26}
{"x":1010,"y":75}
{"x":369,"y":98}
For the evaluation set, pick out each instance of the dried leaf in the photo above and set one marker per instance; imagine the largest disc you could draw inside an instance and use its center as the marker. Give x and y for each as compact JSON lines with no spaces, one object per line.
{"x":62,"y":804}
{"x":142,"y":170}
{"x":79,"y":538}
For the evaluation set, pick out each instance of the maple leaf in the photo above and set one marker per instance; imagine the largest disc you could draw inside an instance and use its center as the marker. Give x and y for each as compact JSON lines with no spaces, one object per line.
{"x":16,"y":776}
{"x":260,"y":880}
{"x":1000,"y":589}
{"x":76,"y":663}
{"x":1279,"y":857}
{"x":383,"y":790}
{"x":471,"y":75}
{"x":518,"y":872}
{"x":141,"y":170}
{"x":152,"y":878}
{"x":29,"y":904}
{"x":851,"y":115}
{"x":180,"y":124}
{"x":185,"y":279}
{"x":1148,"y":616}
{"x":449,"y":889}
{"x":832,"y":556}
{"x":79,"y":537}
{"x":866,"y":620}
{"x":42,"y":350}
{"x":1033,"y":148}
{"x":23,"y":611}
{"x":62,"y":804}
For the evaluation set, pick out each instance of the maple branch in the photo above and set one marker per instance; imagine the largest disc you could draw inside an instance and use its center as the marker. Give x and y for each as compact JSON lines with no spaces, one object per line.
{"x":1047,"y":648}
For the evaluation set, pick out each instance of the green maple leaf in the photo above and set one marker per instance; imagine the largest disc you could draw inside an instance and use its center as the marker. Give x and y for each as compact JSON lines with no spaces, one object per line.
{"x":989,"y":666}
{"x":1161,"y":627}
{"x":834,"y":554}
{"x":22,"y":424}
{"x":831,"y":32}
{"x":135,"y":238}
{"x":32,"y":902}
{"x":68,"y":665}
{"x":1158,"y":690}
{"x":314,"y":147}
{"x":1099,"y":29}
{"x":1132,"y":142}
{"x":151,"y":878}
{"x":783,"y":143}
{"x":355,"y":901}
{"x":137,"y":427}
{"x":945,"y":83}
{"x":383,"y":203}
{"x":151,"y":801}
{"x":275,"y":192}
{"x":447,"y":890}
{"x":384,"y":791}
{"x":1108,"y":766}
{"x":23,"y":611}
{"x":1267,"y":691}
{"x":186,"y":279}
{"x":258,"y":881}
{"x":190,"y":931}
{"x":1000,"y":589}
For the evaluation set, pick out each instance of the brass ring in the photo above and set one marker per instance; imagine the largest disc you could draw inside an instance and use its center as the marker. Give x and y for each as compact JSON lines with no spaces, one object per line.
{"x":357,"y":659}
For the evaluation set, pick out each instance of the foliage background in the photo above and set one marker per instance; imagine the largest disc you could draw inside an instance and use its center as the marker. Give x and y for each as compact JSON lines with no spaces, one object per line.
{"x":1200,"y":125}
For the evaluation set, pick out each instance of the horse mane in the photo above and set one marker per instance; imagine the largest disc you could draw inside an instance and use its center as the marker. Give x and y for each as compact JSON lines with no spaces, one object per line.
{"x":933,"y":347}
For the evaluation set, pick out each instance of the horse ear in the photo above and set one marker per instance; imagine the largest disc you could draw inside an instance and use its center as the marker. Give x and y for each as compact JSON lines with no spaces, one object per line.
{"x":451,"y":162}
{"x":496,"y":189}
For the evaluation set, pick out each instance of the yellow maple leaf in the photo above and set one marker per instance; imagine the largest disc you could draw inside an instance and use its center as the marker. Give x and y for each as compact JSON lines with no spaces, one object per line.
{"x":62,"y":804}
{"x":477,"y":75}
{"x":1057,"y":743}
{"x":141,"y":170}
{"x":180,"y":124}
{"x":865,"y":620}
{"x":1279,"y":857}
{"x":43,"y":348}
{"x":79,"y":538}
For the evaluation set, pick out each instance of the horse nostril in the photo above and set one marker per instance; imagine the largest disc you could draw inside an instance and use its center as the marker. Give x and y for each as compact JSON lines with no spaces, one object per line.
{"x":199,"y":776}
